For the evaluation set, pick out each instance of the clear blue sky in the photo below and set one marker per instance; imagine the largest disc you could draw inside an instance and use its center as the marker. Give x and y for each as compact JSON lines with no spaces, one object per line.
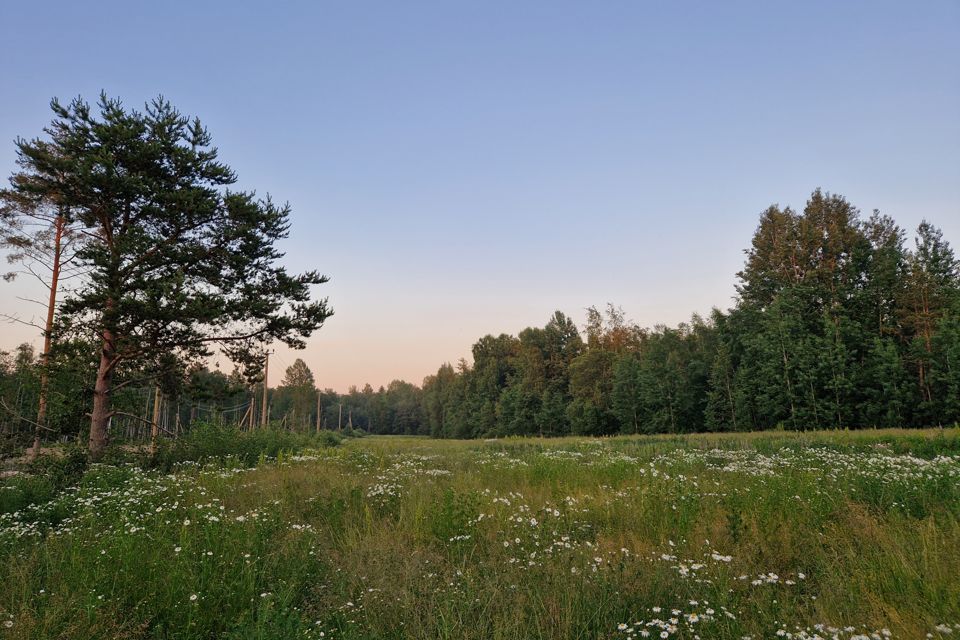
{"x":462,"y":168}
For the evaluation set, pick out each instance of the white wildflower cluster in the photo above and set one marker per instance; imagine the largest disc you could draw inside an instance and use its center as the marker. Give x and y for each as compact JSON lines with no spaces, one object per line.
{"x":384,"y":492}
{"x":392,"y":473}
{"x":665,"y":623}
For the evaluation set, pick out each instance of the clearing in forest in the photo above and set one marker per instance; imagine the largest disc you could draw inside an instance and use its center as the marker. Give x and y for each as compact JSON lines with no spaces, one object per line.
{"x":839,"y":534}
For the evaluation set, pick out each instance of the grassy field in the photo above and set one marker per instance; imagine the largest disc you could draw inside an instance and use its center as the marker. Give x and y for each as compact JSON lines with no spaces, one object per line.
{"x":772,"y":535}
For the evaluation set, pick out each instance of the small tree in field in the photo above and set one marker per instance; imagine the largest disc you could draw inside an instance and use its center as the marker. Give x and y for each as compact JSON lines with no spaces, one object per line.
{"x":177,"y":263}
{"x":298,"y":390}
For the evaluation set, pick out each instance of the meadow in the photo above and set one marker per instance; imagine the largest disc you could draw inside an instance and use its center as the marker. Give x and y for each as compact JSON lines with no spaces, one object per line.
{"x":774,"y":535}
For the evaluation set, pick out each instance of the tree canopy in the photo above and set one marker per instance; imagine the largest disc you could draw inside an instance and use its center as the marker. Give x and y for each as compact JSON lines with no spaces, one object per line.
{"x":177,"y":263}
{"x":838,"y":323}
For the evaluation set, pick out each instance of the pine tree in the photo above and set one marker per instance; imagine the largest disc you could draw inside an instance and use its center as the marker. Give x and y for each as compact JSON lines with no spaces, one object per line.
{"x":298,"y":376}
{"x":177,"y":262}
{"x":932,"y":286}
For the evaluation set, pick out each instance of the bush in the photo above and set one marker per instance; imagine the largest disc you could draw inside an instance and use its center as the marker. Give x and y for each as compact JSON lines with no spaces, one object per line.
{"x":23,"y":490}
{"x":63,"y":468}
{"x":216,"y":443}
{"x":13,"y":444}
{"x":48,"y":475}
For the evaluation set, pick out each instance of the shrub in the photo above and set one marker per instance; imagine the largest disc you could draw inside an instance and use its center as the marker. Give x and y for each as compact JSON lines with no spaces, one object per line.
{"x":216,"y":443}
{"x":63,"y":468}
{"x":23,"y":490}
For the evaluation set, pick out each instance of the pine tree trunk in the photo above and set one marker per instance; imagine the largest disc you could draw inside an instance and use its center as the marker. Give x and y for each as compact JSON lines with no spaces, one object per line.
{"x":100,"y":416}
{"x":155,"y":422}
{"x":59,"y":225}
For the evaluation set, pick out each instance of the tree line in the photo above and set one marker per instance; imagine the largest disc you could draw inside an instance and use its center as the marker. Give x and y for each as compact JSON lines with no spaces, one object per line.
{"x":153,"y":262}
{"x":839,"y":322}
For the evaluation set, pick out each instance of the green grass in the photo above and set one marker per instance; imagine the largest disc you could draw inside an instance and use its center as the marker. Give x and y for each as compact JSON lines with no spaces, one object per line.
{"x":742,"y":534}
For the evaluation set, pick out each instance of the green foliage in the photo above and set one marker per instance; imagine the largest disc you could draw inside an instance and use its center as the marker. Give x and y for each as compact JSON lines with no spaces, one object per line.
{"x":24,"y":490}
{"x":69,"y":466}
{"x":837,"y":325}
{"x":174,"y":261}
{"x":453,"y":516}
{"x":63,"y":467}
{"x":217,"y":443}
{"x":789,"y":533}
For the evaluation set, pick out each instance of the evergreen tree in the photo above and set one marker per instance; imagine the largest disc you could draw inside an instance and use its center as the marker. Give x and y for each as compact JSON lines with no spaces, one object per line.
{"x":931,"y":288}
{"x":177,"y":262}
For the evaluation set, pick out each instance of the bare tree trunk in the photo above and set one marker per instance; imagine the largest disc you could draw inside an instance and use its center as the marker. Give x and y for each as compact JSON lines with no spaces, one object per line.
{"x":59,"y":225}
{"x":732,"y":403}
{"x":155,"y":422}
{"x":264,"y":418}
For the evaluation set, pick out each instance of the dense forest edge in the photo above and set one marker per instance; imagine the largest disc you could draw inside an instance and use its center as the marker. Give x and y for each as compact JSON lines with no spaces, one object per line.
{"x":839,"y":322}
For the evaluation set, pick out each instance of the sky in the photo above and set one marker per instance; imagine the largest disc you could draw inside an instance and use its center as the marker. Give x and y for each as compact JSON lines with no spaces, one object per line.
{"x":465,"y":168}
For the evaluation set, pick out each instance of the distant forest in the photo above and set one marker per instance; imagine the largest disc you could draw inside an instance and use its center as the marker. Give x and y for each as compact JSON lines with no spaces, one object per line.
{"x":840,"y":321}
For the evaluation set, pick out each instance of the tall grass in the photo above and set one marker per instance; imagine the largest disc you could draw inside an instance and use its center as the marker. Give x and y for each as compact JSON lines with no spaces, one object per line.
{"x":710,"y":537}
{"x":204,"y":444}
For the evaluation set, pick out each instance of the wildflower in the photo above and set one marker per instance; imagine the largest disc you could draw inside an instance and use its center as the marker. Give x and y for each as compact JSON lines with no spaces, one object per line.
{"x":193,"y":597}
